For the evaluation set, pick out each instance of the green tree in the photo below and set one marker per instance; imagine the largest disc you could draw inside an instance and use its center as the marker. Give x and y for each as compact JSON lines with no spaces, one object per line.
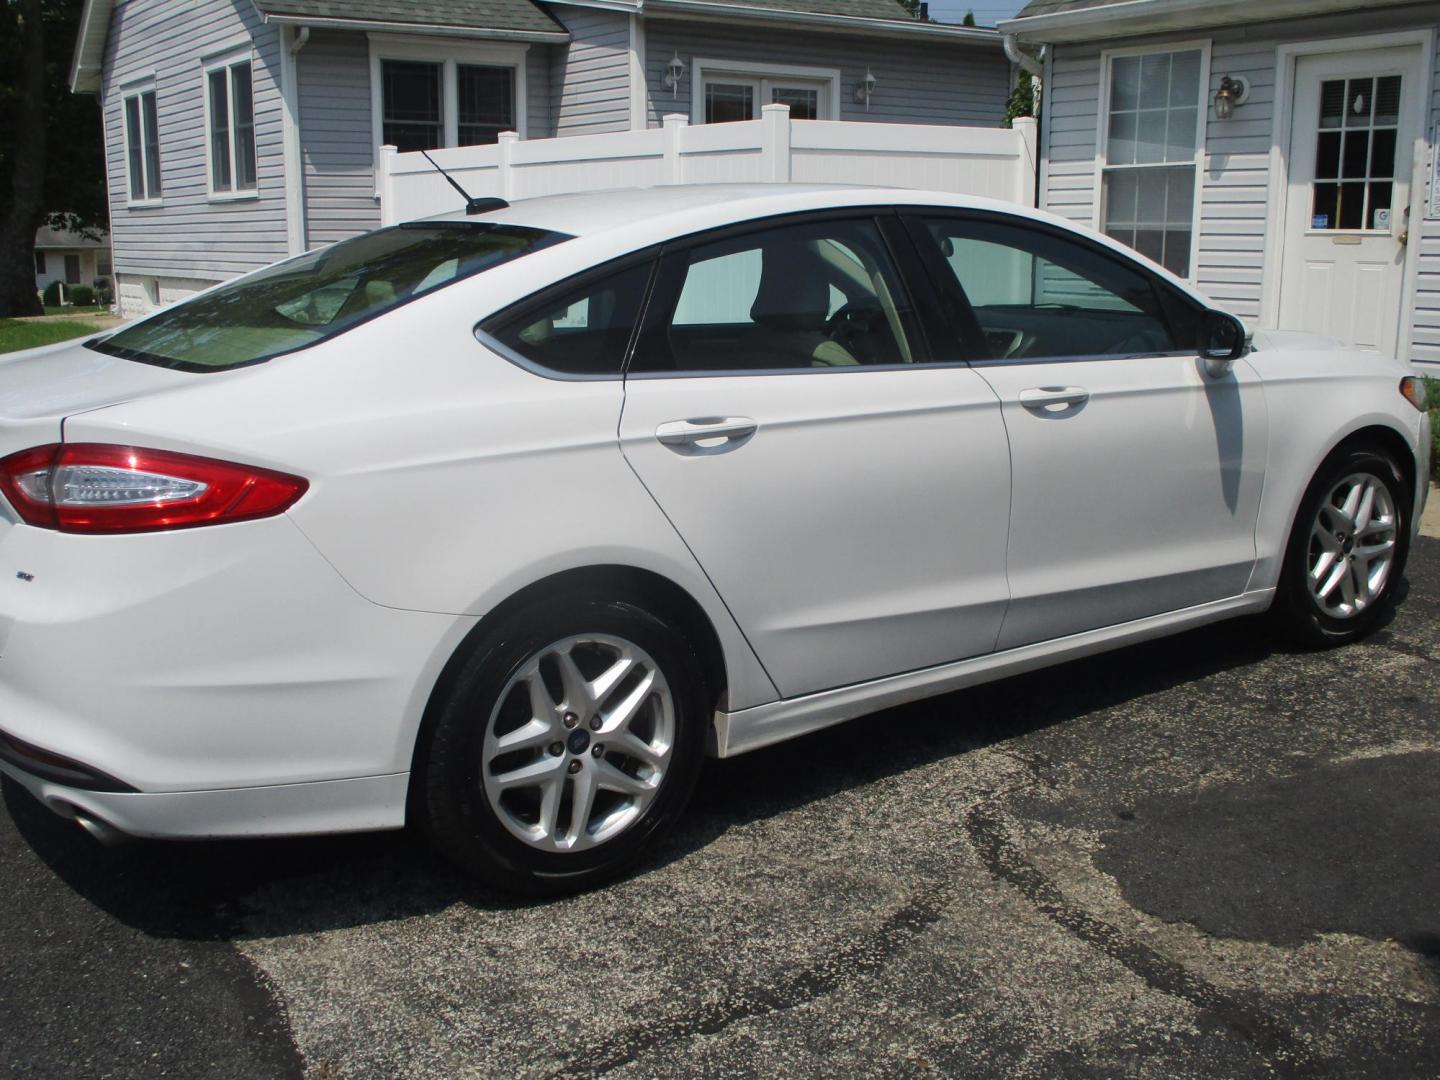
{"x":1022,"y":99}
{"x":969,"y":19}
{"x":52,"y":150}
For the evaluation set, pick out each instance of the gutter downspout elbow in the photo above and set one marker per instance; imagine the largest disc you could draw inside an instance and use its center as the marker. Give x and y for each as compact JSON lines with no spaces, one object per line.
{"x":302,"y":37}
{"x":1017,"y":56}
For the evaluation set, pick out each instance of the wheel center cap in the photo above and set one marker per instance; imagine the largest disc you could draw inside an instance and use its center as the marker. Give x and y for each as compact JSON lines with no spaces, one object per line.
{"x":579,"y":741}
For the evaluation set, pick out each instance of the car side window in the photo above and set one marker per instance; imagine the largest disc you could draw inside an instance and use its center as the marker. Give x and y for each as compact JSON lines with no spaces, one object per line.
{"x":1037,"y":295}
{"x":812,"y":296}
{"x":580,"y":330}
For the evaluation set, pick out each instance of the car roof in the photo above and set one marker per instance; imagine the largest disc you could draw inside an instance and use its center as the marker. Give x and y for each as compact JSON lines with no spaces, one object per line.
{"x":610,"y":223}
{"x":596,"y":212}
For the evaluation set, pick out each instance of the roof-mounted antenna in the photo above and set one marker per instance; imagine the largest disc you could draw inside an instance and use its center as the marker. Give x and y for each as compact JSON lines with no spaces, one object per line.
{"x":472,"y":204}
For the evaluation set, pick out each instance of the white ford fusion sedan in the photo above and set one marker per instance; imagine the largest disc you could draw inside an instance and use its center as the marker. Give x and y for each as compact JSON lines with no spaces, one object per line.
{"x":497,"y":523}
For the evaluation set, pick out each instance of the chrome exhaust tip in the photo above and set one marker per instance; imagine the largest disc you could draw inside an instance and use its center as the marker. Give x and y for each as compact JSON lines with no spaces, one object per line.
{"x":101,"y":831}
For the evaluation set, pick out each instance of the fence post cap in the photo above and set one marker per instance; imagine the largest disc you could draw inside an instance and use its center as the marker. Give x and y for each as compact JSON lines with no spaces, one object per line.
{"x":509,"y":136}
{"x":775,"y":107}
{"x":675,"y":119}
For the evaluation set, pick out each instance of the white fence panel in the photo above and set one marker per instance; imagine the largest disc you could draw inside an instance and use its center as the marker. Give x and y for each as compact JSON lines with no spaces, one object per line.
{"x":994,"y":162}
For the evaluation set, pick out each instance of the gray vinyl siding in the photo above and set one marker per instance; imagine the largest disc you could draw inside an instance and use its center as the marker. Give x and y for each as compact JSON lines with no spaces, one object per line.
{"x":190,"y":235}
{"x":1234,"y":201}
{"x":333,"y":74}
{"x":916,"y":82}
{"x":590,"y":77}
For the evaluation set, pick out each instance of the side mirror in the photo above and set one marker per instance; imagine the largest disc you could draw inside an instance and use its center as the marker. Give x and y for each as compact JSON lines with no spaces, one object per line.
{"x":1222,"y":342}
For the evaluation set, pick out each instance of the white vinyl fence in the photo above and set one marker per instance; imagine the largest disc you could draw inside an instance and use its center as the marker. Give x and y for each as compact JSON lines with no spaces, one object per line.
{"x":995,"y":162}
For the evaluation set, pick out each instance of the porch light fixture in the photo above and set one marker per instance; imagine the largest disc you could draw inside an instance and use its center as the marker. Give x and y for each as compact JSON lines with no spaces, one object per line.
{"x":864,"y":88}
{"x":674,"y":72}
{"x":1233,"y":92}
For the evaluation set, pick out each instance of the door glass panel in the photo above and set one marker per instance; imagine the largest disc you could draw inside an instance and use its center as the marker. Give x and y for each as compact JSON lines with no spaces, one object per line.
{"x":804,"y":102}
{"x":1369,"y":111}
{"x":798,"y":297}
{"x":1037,"y":296}
{"x":726,"y":102}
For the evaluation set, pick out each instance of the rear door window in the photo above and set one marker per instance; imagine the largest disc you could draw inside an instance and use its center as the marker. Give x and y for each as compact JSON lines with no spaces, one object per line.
{"x":810,"y":297}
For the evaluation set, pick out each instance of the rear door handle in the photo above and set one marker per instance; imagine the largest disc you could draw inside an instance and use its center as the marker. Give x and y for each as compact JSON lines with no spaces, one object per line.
{"x":1047,"y":397}
{"x":707,"y":435}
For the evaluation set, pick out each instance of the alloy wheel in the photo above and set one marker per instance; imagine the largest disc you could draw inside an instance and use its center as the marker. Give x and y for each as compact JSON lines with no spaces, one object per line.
{"x":1352,"y":546}
{"x":578,"y":743}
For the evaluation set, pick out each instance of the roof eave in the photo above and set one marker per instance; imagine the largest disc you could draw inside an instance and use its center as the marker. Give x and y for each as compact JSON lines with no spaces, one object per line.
{"x":541,"y":37}
{"x":1133,"y":17}
{"x":702,"y":9}
{"x":87,"y":66}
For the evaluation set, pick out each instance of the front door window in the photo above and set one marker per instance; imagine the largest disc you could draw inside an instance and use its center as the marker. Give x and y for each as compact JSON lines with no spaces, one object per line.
{"x":729,"y":101}
{"x":1355,"y":153}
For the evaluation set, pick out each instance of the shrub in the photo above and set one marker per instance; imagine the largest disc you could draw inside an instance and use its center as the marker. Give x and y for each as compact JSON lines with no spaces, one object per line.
{"x":1432,"y":399}
{"x":51,"y":295}
{"x":82,"y":295}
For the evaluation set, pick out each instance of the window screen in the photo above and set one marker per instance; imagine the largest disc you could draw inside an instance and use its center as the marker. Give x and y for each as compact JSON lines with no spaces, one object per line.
{"x":1150,"y":151}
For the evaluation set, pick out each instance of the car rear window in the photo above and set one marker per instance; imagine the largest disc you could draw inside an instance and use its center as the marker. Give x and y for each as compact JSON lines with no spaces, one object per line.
{"x":315,"y":297}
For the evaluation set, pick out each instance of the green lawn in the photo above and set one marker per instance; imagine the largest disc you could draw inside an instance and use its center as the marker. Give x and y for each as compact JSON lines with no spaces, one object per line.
{"x":18,"y":334}
{"x":94,"y":309}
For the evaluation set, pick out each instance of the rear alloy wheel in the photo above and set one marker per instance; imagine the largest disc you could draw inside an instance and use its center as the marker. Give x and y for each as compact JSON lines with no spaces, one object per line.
{"x":1347,"y":550}
{"x":569,"y":740}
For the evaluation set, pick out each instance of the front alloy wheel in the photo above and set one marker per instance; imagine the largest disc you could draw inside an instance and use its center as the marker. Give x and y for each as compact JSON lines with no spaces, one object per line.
{"x":1352,"y":546}
{"x":1347,"y":550}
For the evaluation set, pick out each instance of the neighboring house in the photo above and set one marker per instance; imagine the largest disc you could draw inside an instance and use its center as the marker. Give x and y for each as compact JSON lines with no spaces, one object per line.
{"x":238,"y":131}
{"x":1279,"y":154}
{"x":70,"y":258}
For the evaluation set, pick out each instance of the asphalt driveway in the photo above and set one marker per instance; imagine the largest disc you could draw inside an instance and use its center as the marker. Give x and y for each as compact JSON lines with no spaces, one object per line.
{"x":1205,"y":856}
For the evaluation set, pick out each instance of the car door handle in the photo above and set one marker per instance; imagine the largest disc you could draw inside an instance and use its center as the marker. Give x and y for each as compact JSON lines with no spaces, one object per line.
{"x":1047,"y":397}
{"x":707,"y":435}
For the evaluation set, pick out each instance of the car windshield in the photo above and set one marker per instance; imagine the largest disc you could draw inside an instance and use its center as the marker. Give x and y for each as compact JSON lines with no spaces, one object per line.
{"x":314,"y":297}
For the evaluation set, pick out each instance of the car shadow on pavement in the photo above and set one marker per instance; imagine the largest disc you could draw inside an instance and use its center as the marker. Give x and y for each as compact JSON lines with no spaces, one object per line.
{"x":208,"y":890}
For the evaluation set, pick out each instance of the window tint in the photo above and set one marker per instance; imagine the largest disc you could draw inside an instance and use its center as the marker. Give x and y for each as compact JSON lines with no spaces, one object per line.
{"x":811,"y":296}
{"x":1036,"y":295}
{"x":583,"y":330}
{"x":314,"y":297}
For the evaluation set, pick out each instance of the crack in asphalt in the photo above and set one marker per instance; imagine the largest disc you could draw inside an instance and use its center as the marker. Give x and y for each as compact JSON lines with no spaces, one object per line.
{"x":1005,"y":861}
{"x":845,"y":964}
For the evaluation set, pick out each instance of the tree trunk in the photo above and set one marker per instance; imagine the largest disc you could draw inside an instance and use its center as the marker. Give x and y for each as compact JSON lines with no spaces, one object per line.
{"x":24,"y":210}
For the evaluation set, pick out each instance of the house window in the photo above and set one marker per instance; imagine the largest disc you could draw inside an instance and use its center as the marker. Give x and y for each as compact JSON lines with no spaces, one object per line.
{"x":39,"y":262}
{"x":732,"y":90}
{"x":103,"y":266}
{"x":1151,"y":155}
{"x":72,"y":269}
{"x":230,"y":119}
{"x":427,"y":98}
{"x":142,"y":146}
{"x":412,"y":110}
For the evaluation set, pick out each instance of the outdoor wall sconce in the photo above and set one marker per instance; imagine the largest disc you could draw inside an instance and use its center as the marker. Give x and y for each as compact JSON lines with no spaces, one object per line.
{"x":864,"y":88}
{"x":1232,"y":93}
{"x":674,"y":72}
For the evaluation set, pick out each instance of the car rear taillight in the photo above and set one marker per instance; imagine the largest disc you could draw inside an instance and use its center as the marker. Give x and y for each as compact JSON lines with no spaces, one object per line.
{"x":98,"y":488}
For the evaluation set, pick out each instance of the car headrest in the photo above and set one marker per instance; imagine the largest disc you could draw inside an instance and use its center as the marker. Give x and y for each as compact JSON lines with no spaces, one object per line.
{"x":793,"y":293}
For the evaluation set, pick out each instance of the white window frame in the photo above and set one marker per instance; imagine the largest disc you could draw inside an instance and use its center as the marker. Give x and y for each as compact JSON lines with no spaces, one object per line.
{"x":449,"y":55}
{"x":1202,"y":122}
{"x":227,"y":61}
{"x":763,"y":75}
{"x":138,"y":88}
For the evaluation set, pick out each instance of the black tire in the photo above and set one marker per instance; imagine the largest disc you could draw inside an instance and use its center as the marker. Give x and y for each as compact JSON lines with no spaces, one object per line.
{"x":455,"y":809}
{"x":1296,"y":614}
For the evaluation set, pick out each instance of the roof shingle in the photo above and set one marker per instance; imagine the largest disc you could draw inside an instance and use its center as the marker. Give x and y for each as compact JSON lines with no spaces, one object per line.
{"x":889,"y":10}
{"x":519,"y":16}
{"x":1052,"y":7}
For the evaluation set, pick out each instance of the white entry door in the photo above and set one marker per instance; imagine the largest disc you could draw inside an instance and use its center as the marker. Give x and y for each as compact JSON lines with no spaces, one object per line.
{"x":1352,"y":145}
